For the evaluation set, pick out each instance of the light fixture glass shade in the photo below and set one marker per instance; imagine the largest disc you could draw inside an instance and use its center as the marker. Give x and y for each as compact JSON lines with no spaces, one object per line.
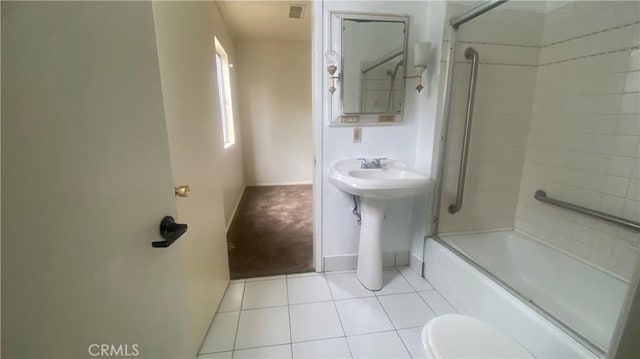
{"x":331,"y":57}
{"x":421,"y":54}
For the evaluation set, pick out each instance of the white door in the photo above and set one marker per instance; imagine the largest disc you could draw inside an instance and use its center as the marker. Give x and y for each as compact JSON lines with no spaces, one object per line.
{"x":86,"y":179}
{"x":185,"y":36}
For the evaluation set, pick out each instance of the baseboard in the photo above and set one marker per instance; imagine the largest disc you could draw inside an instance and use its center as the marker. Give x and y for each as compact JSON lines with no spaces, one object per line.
{"x":350,"y":261}
{"x":416,"y":263}
{"x":340,"y":262}
{"x":235,"y":209}
{"x":264,"y":184}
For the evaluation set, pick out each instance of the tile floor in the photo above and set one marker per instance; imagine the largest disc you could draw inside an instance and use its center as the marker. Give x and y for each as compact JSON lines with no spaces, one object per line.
{"x":318,"y":315}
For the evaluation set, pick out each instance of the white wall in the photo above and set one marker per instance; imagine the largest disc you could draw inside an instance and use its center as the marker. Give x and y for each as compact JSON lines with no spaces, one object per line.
{"x":340,"y":232}
{"x":274,"y":88}
{"x":426,"y":157}
{"x":184,"y":35}
{"x":233,"y":176}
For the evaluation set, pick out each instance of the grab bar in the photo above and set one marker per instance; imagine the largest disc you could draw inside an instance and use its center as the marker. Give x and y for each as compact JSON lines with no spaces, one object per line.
{"x":470,"y":54}
{"x":542,"y":197}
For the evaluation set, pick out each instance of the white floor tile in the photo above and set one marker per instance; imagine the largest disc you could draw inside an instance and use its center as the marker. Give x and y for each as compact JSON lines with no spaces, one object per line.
{"x":308,"y":289}
{"x":232,"y":299}
{"x":308,"y":274}
{"x":406,"y":310}
{"x":273,"y":277}
{"x":378,"y":345}
{"x":221,"y":334}
{"x":314,"y":321}
{"x":262,"y":327}
{"x":322,"y":349}
{"x":413,"y":341}
{"x":274,"y":352}
{"x":265,"y":293}
{"x":437,"y":303}
{"x":362,"y":315}
{"x":394,"y":283}
{"x":223,"y":355}
{"x":418,"y":283}
{"x":346,"y":286}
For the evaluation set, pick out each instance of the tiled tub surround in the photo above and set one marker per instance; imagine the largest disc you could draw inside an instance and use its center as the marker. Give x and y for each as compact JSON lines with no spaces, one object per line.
{"x":583,"y":143}
{"x":504,"y":96}
{"x":557,"y":108}
{"x":319,"y":315}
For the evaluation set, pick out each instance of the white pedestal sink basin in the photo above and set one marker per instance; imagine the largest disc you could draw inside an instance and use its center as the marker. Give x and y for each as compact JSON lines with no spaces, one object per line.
{"x":374,"y":186}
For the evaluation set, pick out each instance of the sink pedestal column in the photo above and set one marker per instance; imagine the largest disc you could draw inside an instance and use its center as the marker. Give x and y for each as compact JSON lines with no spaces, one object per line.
{"x":370,"y":252}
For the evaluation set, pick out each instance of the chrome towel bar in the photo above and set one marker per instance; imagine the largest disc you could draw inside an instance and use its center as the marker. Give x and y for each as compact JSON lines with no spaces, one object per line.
{"x":542,"y":197}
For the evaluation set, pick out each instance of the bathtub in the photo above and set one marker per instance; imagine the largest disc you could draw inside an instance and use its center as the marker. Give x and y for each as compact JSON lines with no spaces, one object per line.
{"x":554,"y":304}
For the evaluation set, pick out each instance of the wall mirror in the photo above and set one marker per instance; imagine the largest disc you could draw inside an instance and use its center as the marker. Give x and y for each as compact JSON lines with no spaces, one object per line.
{"x":372,"y":68}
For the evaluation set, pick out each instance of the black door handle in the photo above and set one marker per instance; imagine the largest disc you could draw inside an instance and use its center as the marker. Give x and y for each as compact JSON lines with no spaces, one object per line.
{"x":170,"y":231}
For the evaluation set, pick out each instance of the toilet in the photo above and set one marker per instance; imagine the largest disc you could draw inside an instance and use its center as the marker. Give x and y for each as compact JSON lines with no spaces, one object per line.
{"x":462,"y":336}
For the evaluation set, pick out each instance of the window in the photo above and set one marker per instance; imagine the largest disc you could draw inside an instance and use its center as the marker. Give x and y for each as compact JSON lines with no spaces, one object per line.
{"x":224,"y":95}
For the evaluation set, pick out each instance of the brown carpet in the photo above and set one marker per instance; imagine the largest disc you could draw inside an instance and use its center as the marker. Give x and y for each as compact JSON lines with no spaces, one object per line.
{"x":272,"y":232}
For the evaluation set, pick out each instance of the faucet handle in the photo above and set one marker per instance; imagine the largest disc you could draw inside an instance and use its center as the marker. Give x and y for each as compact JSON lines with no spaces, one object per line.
{"x":376,"y":162}
{"x":364,"y":163}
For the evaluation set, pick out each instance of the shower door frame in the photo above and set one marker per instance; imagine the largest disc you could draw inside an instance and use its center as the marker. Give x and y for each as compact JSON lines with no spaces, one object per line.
{"x":455,"y":22}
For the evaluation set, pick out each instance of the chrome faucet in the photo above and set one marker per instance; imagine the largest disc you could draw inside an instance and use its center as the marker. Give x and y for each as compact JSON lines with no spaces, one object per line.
{"x":374,"y":163}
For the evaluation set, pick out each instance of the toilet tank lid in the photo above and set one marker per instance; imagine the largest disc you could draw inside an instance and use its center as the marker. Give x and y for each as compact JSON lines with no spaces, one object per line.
{"x":462,"y":336}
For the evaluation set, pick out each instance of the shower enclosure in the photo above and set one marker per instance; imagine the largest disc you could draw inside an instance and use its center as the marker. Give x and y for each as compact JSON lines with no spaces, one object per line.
{"x":539,"y":164}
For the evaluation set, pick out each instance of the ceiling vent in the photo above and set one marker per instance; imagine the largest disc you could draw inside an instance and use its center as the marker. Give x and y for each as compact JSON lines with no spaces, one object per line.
{"x":295,"y":11}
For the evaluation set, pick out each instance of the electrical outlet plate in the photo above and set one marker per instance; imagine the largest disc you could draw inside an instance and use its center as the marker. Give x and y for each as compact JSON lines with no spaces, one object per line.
{"x":357,"y":135}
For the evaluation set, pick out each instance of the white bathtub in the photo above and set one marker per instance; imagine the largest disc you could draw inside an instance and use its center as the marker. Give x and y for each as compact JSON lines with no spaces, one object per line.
{"x":584,"y":298}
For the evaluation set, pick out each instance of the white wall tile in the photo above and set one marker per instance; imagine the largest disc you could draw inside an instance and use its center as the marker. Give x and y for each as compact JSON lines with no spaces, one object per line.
{"x":580,"y":140}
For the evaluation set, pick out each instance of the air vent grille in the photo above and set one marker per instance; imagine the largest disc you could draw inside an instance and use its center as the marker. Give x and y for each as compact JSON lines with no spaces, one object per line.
{"x":295,"y":11}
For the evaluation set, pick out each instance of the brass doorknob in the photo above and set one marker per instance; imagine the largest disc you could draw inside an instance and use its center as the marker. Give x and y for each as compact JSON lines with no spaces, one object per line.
{"x":183,"y":191}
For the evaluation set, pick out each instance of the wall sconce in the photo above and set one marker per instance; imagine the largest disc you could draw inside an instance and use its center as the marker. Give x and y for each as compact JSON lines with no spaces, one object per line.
{"x":332,"y":62}
{"x":420,"y":57}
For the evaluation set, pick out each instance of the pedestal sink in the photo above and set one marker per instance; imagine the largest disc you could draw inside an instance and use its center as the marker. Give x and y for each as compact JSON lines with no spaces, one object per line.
{"x":375,"y":186}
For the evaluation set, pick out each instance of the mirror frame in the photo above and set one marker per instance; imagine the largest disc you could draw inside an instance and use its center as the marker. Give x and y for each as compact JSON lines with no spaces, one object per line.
{"x":336,"y":101}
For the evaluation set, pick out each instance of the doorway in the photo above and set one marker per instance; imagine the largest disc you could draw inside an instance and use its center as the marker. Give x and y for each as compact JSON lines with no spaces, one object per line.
{"x":270,"y":228}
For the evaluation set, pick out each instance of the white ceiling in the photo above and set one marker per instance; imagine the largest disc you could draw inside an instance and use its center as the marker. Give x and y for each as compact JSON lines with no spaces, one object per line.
{"x":266,"y":21}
